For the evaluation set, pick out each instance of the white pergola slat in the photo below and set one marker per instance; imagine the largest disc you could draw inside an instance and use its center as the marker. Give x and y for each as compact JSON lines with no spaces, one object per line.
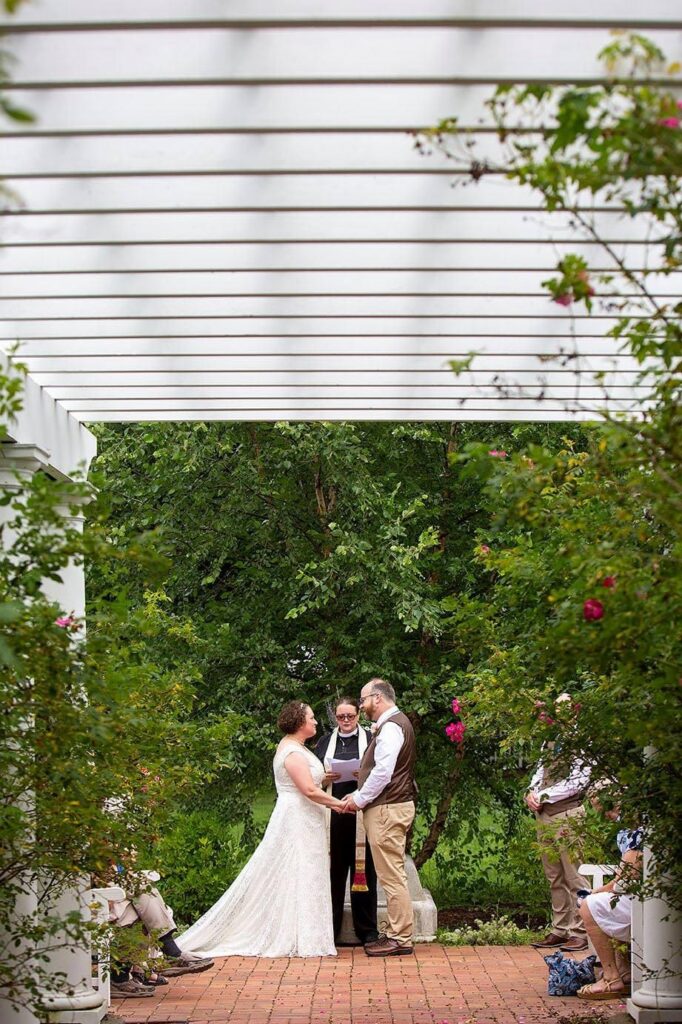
{"x":224,"y":216}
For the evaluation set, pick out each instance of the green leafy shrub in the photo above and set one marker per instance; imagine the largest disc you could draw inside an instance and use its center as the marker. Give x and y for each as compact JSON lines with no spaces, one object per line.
{"x":500,"y":931}
{"x":198,"y":858}
{"x":488,"y":858}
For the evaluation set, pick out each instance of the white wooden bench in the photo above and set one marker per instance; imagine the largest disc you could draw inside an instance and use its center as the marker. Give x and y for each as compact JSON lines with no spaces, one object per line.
{"x":596,"y":873}
{"x":96,"y":906}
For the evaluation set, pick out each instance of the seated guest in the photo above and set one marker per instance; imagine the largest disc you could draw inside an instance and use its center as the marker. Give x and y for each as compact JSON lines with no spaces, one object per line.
{"x":607,"y":915}
{"x":349,"y":849}
{"x":149,"y":907}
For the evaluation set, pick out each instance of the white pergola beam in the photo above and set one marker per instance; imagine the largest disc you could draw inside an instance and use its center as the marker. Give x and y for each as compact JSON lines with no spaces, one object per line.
{"x":359,"y":12}
{"x":312,"y":53}
{"x":293,"y":257}
{"x":225,"y":195}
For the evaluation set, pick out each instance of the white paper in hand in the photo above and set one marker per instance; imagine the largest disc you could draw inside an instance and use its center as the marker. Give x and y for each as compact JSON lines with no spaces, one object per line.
{"x":346,"y":769}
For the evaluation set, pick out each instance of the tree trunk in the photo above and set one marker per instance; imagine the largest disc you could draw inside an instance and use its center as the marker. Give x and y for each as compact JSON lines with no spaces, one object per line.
{"x":428,"y":847}
{"x":326,"y":503}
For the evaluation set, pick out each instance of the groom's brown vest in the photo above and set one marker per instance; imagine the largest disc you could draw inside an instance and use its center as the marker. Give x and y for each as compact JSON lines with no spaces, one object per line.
{"x":402,"y":786}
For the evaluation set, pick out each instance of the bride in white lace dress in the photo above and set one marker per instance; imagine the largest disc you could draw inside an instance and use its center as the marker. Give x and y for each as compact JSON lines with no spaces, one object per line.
{"x":280,"y":903}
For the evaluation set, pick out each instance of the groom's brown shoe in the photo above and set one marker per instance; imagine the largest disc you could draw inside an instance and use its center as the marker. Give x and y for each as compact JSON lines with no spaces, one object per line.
{"x":388,"y":947}
{"x":550,"y":941}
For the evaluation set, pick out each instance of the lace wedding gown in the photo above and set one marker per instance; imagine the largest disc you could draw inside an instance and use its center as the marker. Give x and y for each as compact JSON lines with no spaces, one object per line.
{"x":280,"y":903}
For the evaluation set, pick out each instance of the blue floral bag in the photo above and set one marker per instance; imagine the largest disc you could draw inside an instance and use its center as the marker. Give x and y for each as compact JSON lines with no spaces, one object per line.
{"x":566,"y":976}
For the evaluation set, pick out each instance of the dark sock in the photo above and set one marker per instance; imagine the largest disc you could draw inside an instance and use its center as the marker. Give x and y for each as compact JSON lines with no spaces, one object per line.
{"x":169,"y":946}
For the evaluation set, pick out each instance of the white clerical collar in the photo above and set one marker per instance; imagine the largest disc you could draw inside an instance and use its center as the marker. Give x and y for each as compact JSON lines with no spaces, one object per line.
{"x":347,"y":735}
{"x":386,"y":715}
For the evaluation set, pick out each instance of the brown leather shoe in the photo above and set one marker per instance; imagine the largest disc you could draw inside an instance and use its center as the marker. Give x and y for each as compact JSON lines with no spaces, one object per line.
{"x":388,"y":947}
{"x":551,"y":941}
{"x":574,"y":945}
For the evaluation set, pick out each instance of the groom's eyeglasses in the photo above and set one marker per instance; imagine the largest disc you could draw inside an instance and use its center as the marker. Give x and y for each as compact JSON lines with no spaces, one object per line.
{"x":361,"y":700}
{"x":344,"y":718}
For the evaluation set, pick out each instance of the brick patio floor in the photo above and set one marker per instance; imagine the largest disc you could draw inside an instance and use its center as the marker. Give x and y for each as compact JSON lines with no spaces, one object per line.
{"x":485,"y":984}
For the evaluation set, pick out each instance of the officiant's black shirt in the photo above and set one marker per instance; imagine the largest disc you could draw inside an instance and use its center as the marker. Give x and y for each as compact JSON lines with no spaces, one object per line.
{"x":347,"y":747}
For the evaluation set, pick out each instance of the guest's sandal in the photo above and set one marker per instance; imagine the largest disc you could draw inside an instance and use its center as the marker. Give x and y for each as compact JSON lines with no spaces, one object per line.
{"x":603,"y":990}
{"x":150,"y":978}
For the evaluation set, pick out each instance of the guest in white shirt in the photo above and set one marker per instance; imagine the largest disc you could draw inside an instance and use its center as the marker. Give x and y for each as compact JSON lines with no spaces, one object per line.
{"x":556,"y":796}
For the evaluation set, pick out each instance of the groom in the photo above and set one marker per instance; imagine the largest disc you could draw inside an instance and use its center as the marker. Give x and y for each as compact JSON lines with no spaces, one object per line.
{"x":386,"y":794}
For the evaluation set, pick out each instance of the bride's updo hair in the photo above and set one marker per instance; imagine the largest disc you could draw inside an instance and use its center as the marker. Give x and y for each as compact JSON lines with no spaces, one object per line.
{"x":292,"y":716}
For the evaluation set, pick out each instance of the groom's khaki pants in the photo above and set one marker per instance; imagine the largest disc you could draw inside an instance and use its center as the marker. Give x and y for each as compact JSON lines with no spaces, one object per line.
{"x":387,"y":826}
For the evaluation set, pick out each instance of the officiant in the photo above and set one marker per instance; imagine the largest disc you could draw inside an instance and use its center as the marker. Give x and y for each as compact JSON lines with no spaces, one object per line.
{"x":348,"y":846}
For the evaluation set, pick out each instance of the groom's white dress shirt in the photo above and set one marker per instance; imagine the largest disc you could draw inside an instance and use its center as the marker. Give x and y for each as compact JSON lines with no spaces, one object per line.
{"x":388,"y":744}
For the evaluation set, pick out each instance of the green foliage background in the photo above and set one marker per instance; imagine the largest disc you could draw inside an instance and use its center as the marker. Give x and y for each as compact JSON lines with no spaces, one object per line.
{"x":305,"y":558}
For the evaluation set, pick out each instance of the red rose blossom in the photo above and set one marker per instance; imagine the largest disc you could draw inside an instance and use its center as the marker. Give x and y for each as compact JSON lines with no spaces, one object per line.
{"x":609,"y":582}
{"x":592,"y":609}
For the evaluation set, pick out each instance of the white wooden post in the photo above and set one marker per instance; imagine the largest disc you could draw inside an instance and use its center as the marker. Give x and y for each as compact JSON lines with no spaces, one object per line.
{"x":658,"y":996}
{"x":78,"y":1001}
{"x":24,"y":461}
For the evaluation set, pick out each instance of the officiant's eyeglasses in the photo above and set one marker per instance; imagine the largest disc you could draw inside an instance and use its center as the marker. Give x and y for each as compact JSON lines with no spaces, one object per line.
{"x":349,"y":717}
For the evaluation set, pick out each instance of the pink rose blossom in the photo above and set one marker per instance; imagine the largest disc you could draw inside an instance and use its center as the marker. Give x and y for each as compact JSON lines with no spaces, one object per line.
{"x":64,"y":621}
{"x":679,"y":104}
{"x":498,"y":454}
{"x":456,"y":707}
{"x":669,"y":122}
{"x":592,"y":609}
{"x":609,"y":582}
{"x":455,"y":731}
{"x":485,"y":550}
{"x":545,"y":718}
{"x":563,"y":300}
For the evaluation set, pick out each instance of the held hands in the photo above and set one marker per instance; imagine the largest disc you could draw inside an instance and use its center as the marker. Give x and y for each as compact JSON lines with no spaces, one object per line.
{"x":348,"y":805}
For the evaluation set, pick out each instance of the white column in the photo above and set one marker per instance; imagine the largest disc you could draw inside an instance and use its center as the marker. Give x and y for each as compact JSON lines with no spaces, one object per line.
{"x":77,"y":1001}
{"x":658,"y":996}
{"x":15,"y":470}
